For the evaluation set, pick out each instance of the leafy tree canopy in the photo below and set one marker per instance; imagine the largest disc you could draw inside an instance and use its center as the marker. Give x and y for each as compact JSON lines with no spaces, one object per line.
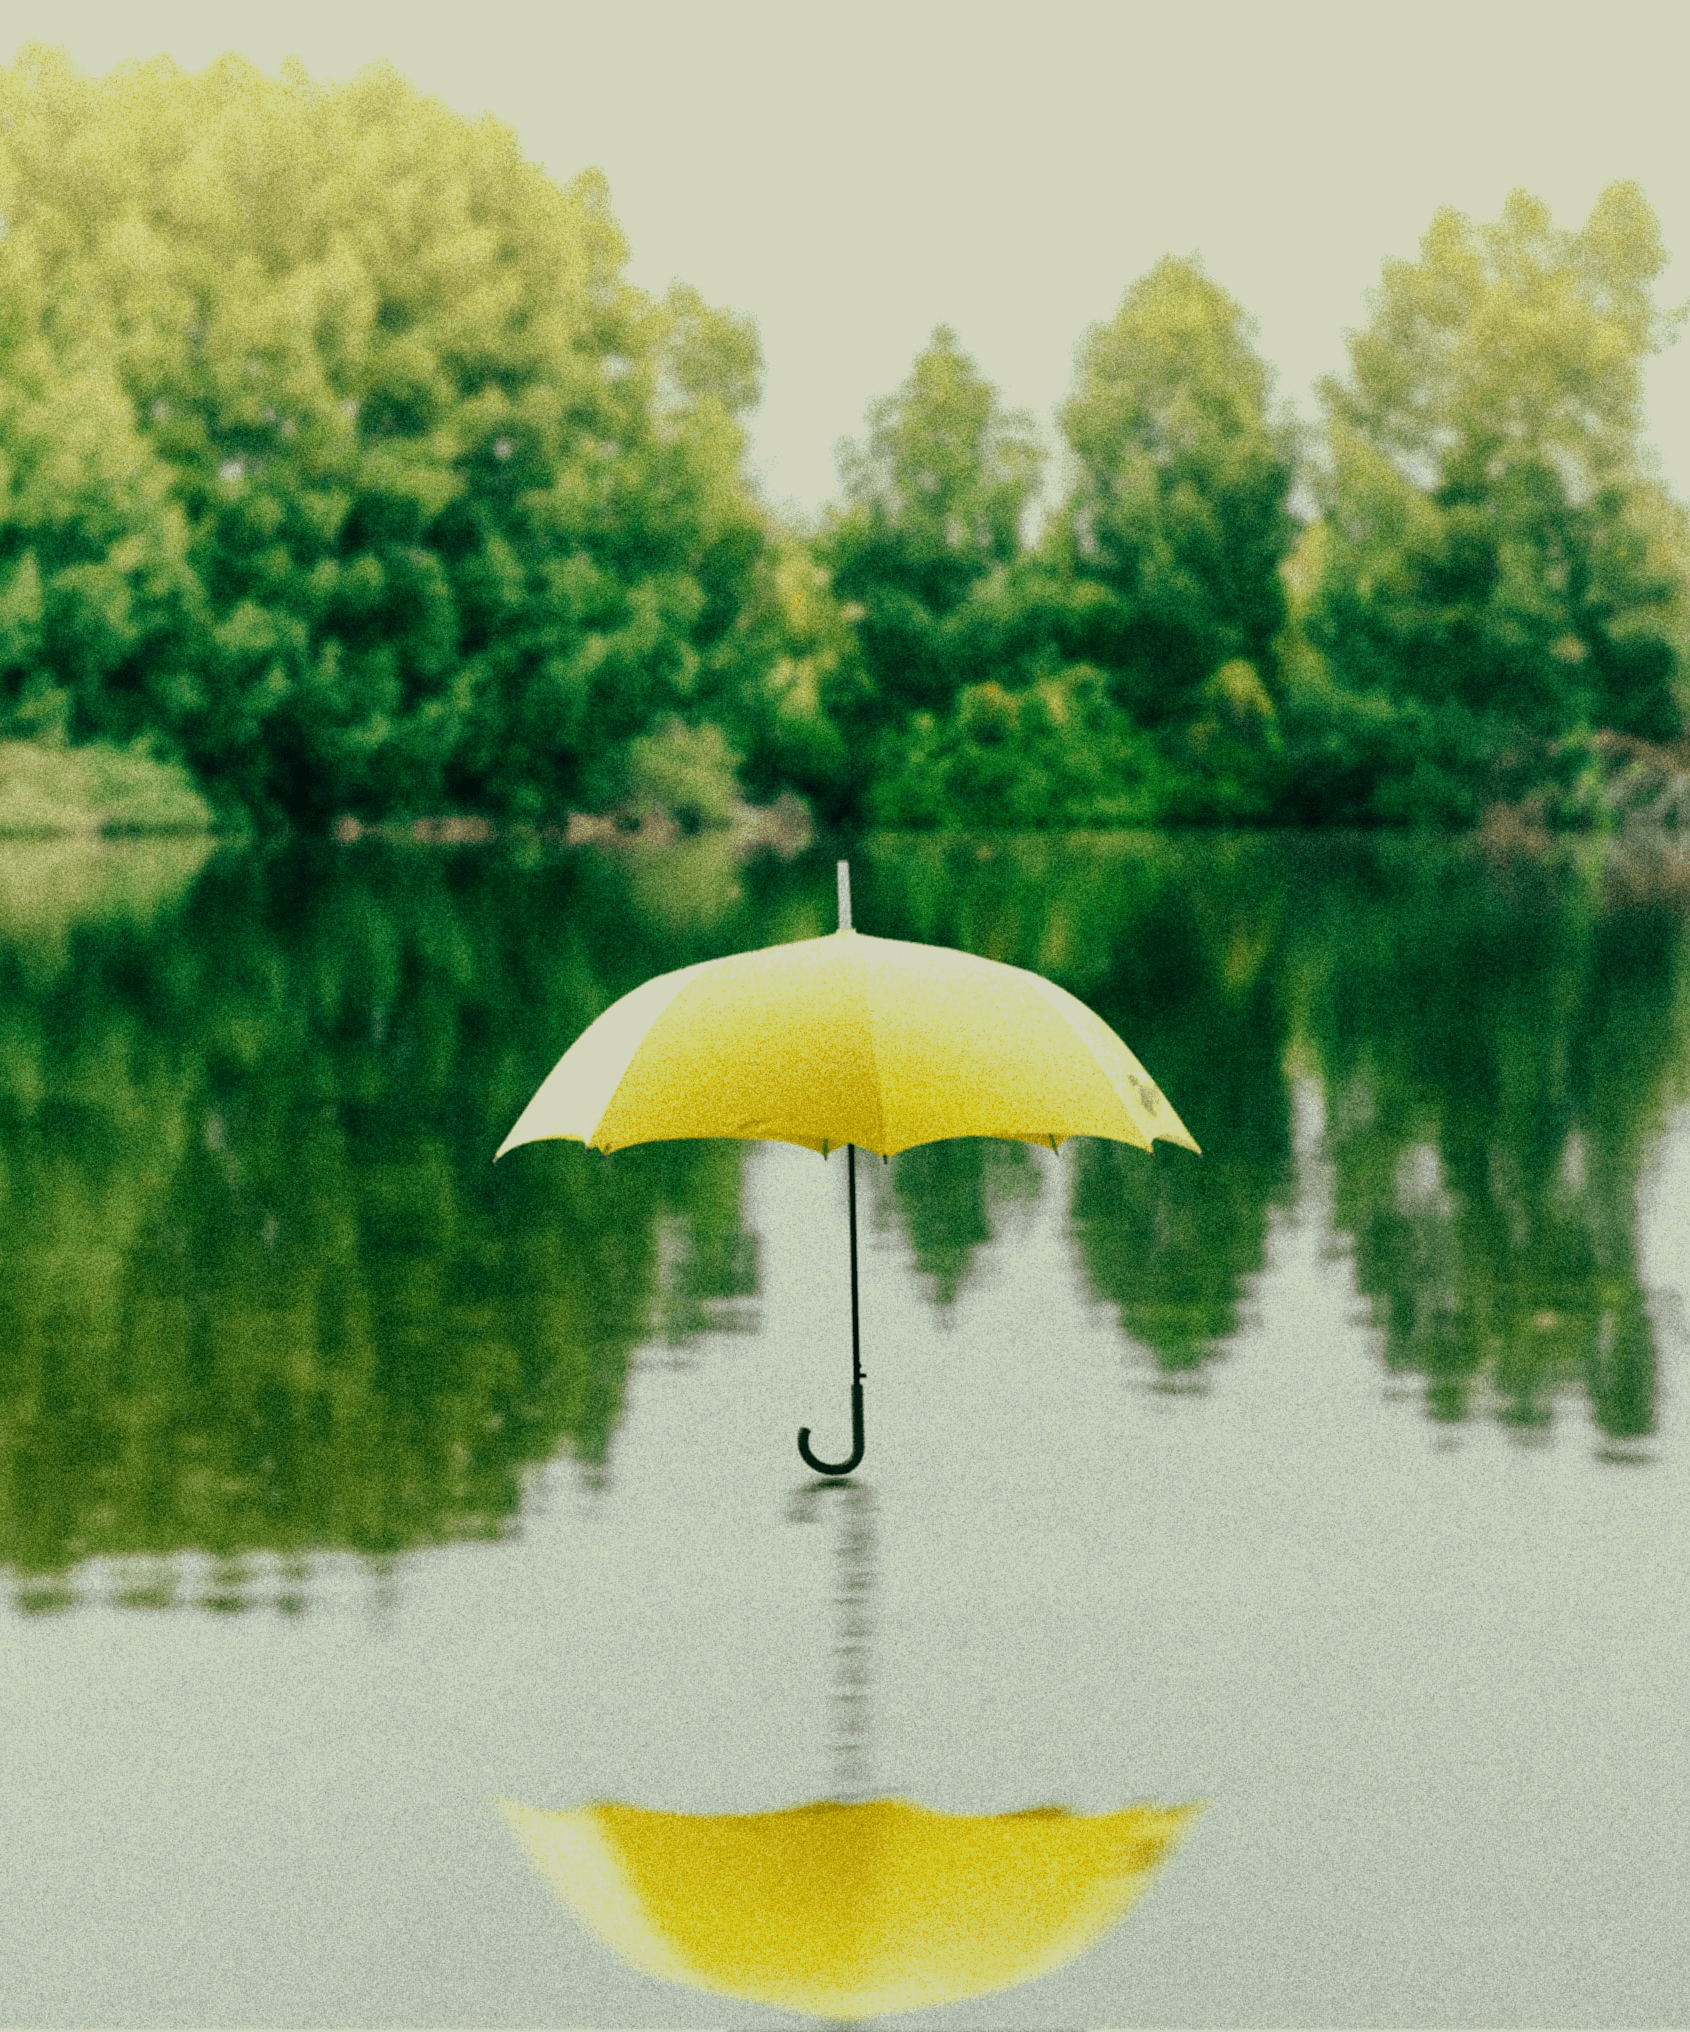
{"x":336,"y":449}
{"x":1496,"y":547}
{"x":944,"y":481}
{"x":1118,"y":669}
{"x":1182,"y":471}
{"x":934,"y":502}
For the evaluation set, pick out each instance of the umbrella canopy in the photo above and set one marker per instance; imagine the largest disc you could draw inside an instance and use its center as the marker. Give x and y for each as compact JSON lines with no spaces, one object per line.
{"x":846,"y":1911}
{"x":876,"y":1042}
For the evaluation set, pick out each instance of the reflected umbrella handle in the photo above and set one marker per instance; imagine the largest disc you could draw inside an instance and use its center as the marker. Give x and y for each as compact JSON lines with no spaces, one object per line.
{"x":843,"y":1467}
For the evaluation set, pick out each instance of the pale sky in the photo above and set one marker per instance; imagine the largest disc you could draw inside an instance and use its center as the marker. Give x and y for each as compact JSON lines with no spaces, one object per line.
{"x":852,"y":175}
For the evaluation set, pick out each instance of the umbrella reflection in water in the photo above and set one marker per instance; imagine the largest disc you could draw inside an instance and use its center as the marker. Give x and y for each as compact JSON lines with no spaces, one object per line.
{"x":848,"y":1907}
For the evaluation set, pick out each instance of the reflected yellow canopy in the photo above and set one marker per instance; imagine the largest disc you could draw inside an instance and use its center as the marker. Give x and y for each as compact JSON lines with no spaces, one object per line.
{"x":879,"y":1042}
{"x":846,"y":1911}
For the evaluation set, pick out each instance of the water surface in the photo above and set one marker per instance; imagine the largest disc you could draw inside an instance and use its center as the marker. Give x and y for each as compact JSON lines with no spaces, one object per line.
{"x":1336,"y":1478}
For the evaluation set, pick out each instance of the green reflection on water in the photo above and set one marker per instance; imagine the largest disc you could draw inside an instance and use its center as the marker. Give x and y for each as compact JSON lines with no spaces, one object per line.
{"x":1181,"y":948}
{"x":264,"y":1293}
{"x":950,"y":1198}
{"x":1499,"y":1052}
{"x":264,"y":1289}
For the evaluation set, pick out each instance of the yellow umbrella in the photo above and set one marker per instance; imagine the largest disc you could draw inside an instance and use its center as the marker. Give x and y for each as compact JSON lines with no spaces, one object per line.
{"x":850,"y":1040}
{"x":845,"y":1911}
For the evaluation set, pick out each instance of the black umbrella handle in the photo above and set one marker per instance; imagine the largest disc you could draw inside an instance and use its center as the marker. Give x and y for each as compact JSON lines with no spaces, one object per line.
{"x":843,"y":1467}
{"x":856,"y":1460}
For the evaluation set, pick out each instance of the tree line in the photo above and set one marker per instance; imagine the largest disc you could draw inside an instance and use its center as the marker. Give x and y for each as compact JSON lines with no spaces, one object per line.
{"x":341,"y":464}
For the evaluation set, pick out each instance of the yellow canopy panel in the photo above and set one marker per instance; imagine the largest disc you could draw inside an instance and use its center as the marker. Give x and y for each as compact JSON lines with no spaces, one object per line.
{"x":847,"y":1911}
{"x":848,"y":1039}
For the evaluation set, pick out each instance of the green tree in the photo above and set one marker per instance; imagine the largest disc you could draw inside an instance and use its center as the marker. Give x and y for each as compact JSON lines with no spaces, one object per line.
{"x":938,"y":493}
{"x":935,"y":500}
{"x":1498,"y":566}
{"x":796,"y":657}
{"x":336,"y":449}
{"x":969,"y":700}
{"x":1053,"y":753}
{"x":1178,"y":512}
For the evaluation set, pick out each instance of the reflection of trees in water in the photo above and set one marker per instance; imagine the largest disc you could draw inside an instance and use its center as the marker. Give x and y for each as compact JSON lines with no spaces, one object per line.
{"x":1164,"y":1249}
{"x":264,"y":1293}
{"x":1169,"y":1239}
{"x":1498,"y":1056}
{"x":1497,"y":1043}
{"x":1180,"y":948}
{"x":950,"y":1198}
{"x":708,"y":1260}
{"x":264,"y":1290}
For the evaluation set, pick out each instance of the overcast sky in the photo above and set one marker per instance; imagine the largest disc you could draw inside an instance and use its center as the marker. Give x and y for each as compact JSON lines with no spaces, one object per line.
{"x":853,"y":175}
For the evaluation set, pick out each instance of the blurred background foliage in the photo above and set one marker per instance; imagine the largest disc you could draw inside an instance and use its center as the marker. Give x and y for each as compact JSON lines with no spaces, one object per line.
{"x":344,"y":474}
{"x":339,"y":456}
{"x":265,"y":1294}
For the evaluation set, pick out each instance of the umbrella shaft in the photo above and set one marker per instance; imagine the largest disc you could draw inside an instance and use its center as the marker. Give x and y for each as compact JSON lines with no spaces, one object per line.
{"x":856,"y":1345}
{"x":846,"y":1467}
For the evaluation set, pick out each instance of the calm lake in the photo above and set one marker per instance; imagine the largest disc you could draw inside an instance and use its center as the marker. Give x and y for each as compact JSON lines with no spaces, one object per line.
{"x":1337,"y":1479}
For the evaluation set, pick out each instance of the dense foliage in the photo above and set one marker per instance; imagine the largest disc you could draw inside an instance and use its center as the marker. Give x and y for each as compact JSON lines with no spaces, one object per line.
{"x":340,"y":463}
{"x":1496,"y":568}
{"x":1116,"y":669}
{"x":337,"y":453}
{"x":1180,"y":506}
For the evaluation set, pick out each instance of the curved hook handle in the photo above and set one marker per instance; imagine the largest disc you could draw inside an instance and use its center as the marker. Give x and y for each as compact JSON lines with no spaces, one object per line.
{"x":856,"y":1460}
